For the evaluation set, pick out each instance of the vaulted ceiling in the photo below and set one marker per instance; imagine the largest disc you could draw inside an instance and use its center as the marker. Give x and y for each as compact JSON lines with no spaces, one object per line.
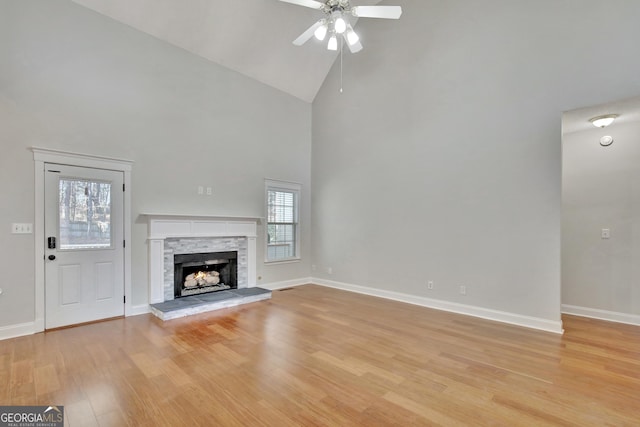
{"x":252,"y":37}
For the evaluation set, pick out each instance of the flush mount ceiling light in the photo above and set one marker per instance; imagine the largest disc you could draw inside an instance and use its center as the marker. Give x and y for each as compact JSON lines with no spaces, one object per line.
{"x":336,"y":21}
{"x":603,"y":121}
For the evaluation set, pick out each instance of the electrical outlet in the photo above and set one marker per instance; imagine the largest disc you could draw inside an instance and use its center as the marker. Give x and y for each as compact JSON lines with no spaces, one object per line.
{"x":329,"y":270}
{"x":200,"y":190}
{"x":605,"y":233}
{"x":430,"y":285}
{"x":313,"y":267}
{"x":209,"y":191}
{"x":463,"y":290}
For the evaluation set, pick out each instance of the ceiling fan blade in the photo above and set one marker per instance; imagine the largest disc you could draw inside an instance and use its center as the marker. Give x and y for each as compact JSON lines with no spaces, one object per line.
{"x":386,"y":12}
{"x":355,"y":47}
{"x":306,"y":3}
{"x":304,"y":37}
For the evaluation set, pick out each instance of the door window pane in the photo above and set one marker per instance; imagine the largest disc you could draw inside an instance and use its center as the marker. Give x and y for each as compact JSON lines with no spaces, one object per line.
{"x":85,"y":214}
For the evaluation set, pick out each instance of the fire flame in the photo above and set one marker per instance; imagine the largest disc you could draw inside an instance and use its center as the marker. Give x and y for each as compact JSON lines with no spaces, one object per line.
{"x":200,"y":275}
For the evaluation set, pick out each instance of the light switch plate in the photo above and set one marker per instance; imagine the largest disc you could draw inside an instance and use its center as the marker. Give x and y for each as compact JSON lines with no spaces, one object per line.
{"x":21,"y":228}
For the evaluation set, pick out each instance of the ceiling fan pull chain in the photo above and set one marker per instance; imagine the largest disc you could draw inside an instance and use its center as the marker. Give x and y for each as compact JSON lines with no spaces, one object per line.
{"x":341,"y":46}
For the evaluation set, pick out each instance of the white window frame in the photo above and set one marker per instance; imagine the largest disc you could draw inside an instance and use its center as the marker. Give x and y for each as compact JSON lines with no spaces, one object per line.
{"x":275,"y":185}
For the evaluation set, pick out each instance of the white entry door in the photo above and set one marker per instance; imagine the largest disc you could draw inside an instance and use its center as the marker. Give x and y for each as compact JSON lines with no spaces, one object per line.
{"x":84,"y":255}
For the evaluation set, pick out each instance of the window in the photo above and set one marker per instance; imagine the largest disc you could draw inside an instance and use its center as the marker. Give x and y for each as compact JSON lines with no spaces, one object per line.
{"x":282,"y":238}
{"x":85,"y":214}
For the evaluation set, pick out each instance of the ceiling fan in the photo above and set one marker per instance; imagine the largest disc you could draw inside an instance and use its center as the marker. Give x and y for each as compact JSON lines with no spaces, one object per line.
{"x":336,"y":21}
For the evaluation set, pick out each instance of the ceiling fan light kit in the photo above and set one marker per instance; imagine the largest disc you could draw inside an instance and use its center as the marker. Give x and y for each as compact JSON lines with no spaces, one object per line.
{"x":321,"y":31}
{"x":333,"y":43}
{"x":336,"y":21}
{"x":352,"y":37}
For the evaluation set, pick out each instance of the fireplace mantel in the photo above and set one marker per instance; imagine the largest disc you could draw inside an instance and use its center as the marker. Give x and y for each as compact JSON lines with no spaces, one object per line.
{"x":167,"y":226}
{"x":162,"y":226}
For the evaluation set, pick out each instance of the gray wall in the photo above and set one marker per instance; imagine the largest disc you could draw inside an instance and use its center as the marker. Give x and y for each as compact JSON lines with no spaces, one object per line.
{"x":71,"y":79}
{"x":440,"y":161}
{"x":601,"y":189}
{"x":442,"y":158}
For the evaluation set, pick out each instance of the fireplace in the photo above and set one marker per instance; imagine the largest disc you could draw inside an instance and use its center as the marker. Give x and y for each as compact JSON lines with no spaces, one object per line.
{"x":171,"y":235}
{"x":198,"y":273}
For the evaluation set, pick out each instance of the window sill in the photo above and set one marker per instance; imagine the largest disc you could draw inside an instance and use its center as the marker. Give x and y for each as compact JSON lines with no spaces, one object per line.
{"x":282,"y":261}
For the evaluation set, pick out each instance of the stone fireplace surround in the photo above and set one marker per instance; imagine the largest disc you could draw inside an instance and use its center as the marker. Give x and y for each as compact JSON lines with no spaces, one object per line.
{"x":174,"y":234}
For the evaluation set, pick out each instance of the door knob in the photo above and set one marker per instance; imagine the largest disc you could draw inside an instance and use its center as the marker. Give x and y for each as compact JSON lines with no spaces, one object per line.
{"x":52,"y":257}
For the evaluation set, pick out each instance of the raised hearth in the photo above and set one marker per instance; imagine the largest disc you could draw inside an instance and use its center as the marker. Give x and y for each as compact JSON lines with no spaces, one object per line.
{"x":197,"y":304}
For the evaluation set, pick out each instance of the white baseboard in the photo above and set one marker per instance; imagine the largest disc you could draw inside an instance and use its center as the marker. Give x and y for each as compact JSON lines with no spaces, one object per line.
{"x":138,"y":309}
{"x":273,"y":286}
{"x":19,"y":330}
{"x":469,"y":310}
{"x":30,"y":328}
{"x":594,"y":313}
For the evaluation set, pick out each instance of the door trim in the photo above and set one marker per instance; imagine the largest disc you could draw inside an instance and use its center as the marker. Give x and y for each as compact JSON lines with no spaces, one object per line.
{"x":44,"y":155}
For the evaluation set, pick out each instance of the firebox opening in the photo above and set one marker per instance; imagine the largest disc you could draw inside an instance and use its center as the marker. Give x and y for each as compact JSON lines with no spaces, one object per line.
{"x":204,"y":272}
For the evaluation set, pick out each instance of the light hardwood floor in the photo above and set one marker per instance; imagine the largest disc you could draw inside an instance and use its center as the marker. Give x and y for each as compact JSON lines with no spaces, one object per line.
{"x":318,"y":356}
